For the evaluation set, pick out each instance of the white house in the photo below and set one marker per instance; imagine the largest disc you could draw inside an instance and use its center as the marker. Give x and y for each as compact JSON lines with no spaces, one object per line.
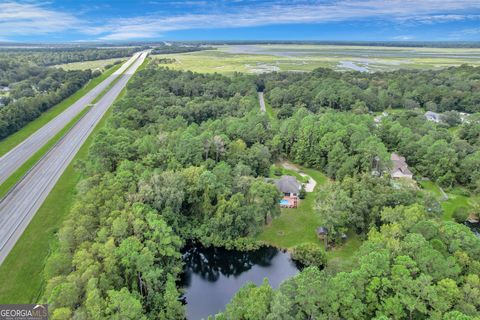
{"x":433,"y":116}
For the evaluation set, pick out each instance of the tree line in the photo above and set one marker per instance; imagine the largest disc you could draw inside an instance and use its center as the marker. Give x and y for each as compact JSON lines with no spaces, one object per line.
{"x":441,"y":90}
{"x":28,"y":90}
{"x":54,"y":56}
{"x":413,"y":267}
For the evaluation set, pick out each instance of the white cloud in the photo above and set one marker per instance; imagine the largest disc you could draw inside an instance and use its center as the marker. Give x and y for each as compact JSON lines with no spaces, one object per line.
{"x":403,"y":38}
{"x":26,"y":18}
{"x":31,"y":19}
{"x":280,"y":12}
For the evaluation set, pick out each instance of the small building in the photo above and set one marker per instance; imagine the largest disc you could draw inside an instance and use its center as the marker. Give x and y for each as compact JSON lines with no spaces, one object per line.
{"x":289,"y":186}
{"x":379,"y":118}
{"x":433,"y":116}
{"x":322,"y":234}
{"x":400,"y":167}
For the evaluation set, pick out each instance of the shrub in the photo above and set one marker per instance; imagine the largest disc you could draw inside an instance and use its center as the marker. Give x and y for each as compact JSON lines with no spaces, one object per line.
{"x":460,"y":214}
{"x":302,"y":193}
{"x":309,"y":255}
{"x":277,"y":171}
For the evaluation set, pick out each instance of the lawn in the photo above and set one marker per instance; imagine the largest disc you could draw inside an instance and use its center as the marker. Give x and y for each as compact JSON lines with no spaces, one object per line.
{"x":457,"y":198}
{"x":296,"y":226}
{"x":21,"y":274}
{"x":285,"y":172}
{"x":13,"y":140}
{"x":293,"y":226}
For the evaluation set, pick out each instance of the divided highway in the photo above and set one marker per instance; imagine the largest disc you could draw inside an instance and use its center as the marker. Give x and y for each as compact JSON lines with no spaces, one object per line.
{"x":19,"y":206}
{"x":16,"y":157}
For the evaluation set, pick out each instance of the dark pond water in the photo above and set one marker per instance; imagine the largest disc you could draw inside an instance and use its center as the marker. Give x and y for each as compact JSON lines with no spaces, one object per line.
{"x":475,"y":227}
{"x":212,"y":276}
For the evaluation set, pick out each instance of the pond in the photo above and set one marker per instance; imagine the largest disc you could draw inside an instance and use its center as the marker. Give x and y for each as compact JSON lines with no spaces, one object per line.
{"x":212,"y":276}
{"x":475,"y":227}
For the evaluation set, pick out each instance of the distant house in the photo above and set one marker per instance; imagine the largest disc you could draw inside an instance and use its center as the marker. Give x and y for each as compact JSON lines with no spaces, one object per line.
{"x":464,"y":117}
{"x":433,"y":116}
{"x":400,"y":167}
{"x":289,"y":186}
{"x":379,"y":118}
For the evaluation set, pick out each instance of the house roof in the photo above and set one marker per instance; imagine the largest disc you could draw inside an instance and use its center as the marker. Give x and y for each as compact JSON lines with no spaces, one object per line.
{"x":399,"y":164}
{"x":432,"y":115}
{"x":288,"y":184}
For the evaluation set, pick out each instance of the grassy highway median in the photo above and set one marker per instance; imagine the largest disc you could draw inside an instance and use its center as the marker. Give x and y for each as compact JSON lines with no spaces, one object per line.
{"x":22,"y":272}
{"x":14,"y":139}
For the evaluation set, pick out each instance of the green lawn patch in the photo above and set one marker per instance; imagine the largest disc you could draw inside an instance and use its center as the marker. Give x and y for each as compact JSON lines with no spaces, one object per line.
{"x":285,"y":172}
{"x":454,"y":202}
{"x":342,"y":258}
{"x":293,"y":226}
{"x":14,"y":139}
{"x":457,"y":198}
{"x":297,"y":226}
{"x":431,"y":187}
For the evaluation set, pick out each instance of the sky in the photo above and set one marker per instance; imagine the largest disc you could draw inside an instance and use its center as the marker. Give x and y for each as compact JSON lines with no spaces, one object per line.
{"x":163,"y":20}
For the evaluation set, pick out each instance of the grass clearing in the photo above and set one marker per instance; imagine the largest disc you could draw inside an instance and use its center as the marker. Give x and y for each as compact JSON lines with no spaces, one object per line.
{"x":293,"y":226}
{"x":457,"y":198}
{"x":343,"y":257}
{"x":296,"y":226}
{"x":285,"y":172}
{"x":14,"y":139}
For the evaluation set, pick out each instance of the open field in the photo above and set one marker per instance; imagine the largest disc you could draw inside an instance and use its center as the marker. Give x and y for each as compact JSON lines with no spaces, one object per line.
{"x":299,"y":58}
{"x":93,"y":64}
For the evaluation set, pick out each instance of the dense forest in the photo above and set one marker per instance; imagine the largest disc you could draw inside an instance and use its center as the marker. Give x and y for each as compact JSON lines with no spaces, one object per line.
{"x":53,"y":56}
{"x":411,"y":268}
{"x":434,"y":90}
{"x":27,"y":90}
{"x":177,"y":48}
{"x":432,"y":150}
{"x":184,"y":157}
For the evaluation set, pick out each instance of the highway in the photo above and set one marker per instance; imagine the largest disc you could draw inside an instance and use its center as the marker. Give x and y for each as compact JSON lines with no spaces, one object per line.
{"x":16,"y":157}
{"x":21,"y":203}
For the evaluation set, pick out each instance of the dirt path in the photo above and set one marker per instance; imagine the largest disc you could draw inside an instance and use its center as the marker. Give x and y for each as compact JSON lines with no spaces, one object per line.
{"x":310,"y":185}
{"x":262,"y":102}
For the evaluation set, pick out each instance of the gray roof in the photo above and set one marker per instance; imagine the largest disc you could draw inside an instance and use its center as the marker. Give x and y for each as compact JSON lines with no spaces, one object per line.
{"x":432,"y":115}
{"x":399,"y":164}
{"x":288,"y":184}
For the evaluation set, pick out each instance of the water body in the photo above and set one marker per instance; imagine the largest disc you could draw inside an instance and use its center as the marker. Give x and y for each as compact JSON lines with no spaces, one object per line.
{"x":368,"y":52}
{"x":212,"y":276}
{"x":352,"y":65}
{"x":475,"y":227}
